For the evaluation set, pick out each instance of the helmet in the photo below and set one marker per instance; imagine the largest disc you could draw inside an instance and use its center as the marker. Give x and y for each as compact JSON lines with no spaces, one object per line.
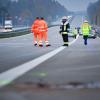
{"x":85,"y":21}
{"x":64,"y":18}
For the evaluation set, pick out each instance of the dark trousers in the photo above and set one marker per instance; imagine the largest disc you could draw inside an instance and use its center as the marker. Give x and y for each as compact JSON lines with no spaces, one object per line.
{"x":75,"y":36}
{"x":85,"y":37}
{"x":65,"y":39}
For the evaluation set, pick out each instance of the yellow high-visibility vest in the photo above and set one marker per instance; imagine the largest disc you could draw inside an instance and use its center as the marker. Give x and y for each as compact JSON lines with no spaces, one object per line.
{"x":75,"y":32}
{"x":86,"y":29}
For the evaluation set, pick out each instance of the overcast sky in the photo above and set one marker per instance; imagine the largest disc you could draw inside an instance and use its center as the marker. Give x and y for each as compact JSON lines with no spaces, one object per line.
{"x":76,"y":5}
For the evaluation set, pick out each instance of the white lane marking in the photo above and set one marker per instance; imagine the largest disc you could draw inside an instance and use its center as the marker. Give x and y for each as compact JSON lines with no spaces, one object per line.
{"x":8,"y":76}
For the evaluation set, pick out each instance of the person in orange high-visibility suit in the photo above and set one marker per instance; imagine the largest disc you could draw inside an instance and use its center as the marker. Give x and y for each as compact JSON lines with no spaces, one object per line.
{"x":35,"y":30}
{"x":43,"y":32}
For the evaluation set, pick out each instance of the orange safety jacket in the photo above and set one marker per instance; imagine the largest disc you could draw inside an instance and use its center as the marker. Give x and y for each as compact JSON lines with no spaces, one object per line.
{"x":43,"y":27}
{"x":35,"y":27}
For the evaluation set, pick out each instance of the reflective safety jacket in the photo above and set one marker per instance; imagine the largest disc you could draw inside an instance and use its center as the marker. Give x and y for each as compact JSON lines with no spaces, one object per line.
{"x":86,"y":28}
{"x":43,"y":27}
{"x":35,"y":26}
{"x":64,"y":28}
{"x":75,"y":31}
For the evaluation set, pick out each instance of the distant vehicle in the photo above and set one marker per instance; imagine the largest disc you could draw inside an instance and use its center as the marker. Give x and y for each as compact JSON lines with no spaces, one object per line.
{"x":93,"y":33}
{"x":8,"y":24}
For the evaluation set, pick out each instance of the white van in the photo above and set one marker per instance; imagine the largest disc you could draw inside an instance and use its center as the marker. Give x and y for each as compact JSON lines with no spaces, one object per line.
{"x":8,"y":24}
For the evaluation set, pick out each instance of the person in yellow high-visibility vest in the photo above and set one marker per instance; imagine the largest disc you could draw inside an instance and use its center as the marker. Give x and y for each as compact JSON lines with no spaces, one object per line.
{"x":86,"y":28}
{"x":75,"y":32}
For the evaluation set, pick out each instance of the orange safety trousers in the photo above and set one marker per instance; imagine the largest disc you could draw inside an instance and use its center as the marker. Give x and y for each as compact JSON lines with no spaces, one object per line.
{"x":35,"y":31}
{"x":43,"y":36}
{"x":35,"y":37}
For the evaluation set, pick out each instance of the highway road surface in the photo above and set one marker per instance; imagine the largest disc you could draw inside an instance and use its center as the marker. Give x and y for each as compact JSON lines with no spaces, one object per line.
{"x":50,"y":73}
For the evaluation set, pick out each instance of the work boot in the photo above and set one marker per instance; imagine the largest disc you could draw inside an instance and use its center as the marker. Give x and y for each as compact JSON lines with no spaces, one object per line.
{"x":65,"y":44}
{"x":35,"y":44}
{"x":40,"y":45}
{"x":48,"y":45}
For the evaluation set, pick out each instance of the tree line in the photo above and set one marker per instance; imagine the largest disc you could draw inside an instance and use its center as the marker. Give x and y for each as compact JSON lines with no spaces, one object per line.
{"x":25,"y":11}
{"x":94,"y":13}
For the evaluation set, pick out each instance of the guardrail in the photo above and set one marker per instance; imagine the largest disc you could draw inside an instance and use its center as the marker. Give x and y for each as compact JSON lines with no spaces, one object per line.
{"x":23,"y":31}
{"x":18,"y":32}
{"x":14,"y":33}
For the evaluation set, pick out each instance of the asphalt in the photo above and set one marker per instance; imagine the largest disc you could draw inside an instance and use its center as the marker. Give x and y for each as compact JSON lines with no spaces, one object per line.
{"x":66,"y":76}
{"x":18,"y":50}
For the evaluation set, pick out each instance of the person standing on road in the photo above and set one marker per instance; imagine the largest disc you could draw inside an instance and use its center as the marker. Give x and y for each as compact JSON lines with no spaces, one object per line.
{"x":78,"y":30}
{"x":64,"y":29}
{"x":43,"y":32}
{"x":75,"y":32}
{"x":35,"y":30}
{"x":86,"y":28}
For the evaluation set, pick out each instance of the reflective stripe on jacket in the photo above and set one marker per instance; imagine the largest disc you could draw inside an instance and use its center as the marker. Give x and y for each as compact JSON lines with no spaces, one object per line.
{"x":64,"y":28}
{"x":43,"y":27}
